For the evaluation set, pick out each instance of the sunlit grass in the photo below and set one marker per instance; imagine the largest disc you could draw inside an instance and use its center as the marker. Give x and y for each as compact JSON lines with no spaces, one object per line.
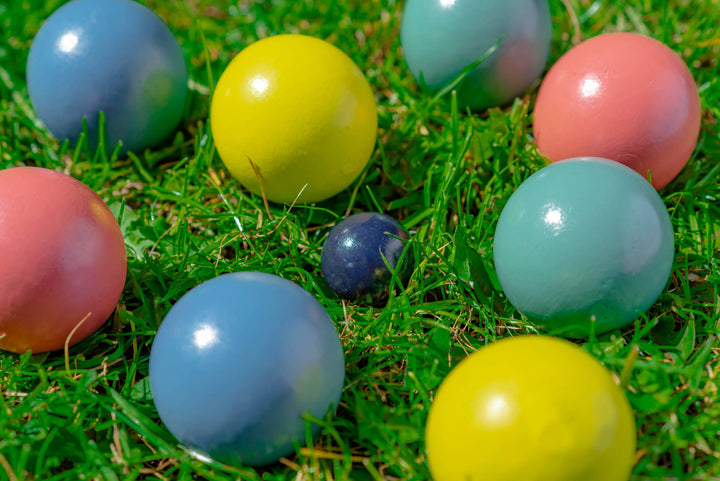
{"x":445,"y":174}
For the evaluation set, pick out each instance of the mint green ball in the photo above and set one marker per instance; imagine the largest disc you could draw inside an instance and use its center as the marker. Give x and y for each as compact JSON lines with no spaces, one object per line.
{"x":442,"y":38}
{"x":581,"y":240}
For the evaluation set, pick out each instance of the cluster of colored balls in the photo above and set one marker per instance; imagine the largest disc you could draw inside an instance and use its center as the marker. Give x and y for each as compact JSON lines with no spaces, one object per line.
{"x":233,"y":371}
{"x":63,"y":260}
{"x":584,"y":245}
{"x":587,"y":246}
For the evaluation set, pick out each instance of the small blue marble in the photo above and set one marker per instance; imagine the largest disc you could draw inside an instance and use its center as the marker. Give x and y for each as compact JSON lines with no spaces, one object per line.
{"x":352,"y":258}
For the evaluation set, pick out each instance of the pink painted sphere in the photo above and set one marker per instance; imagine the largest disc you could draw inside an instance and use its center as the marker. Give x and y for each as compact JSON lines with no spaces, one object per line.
{"x":62,"y":257}
{"x":621,"y":96}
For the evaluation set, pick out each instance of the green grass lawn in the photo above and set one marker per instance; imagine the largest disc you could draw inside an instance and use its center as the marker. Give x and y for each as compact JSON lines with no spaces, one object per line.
{"x":445,"y":175}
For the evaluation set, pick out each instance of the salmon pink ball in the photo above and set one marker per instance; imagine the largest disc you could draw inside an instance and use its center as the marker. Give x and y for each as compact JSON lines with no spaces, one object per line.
{"x":62,"y":260}
{"x":624,"y":97}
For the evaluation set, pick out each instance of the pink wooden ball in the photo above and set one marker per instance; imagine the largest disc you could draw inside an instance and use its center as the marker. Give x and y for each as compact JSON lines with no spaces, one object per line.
{"x":621,"y":96}
{"x":62,"y":258}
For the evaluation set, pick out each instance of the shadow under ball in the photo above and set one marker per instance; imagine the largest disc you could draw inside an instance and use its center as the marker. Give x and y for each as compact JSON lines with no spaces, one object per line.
{"x":114,"y":56}
{"x":581,"y":239}
{"x":239,"y":360}
{"x":624,"y":97}
{"x":440,"y":38}
{"x":62,"y":257}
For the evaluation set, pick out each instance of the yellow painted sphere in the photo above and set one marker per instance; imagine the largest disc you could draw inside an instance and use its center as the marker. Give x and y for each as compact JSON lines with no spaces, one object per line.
{"x":301,"y":111}
{"x":530,"y":408}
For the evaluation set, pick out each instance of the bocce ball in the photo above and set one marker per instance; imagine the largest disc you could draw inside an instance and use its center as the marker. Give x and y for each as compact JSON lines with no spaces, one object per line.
{"x":442,"y":38}
{"x":581,"y":240}
{"x":294,"y":118}
{"x":110,"y":56}
{"x":621,"y":96}
{"x":63,"y":260}
{"x":239,"y":360}
{"x":530,"y":408}
{"x":355,"y":253}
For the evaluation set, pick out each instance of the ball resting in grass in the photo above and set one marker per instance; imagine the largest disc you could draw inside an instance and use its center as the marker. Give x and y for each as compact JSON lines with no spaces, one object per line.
{"x":530,"y":408}
{"x":294,"y":119}
{"x":500,"y":45}
{"x":62,"y":260}
{"x":621,"y":96}
{"x":110,"y":56}
{"x":584,"y":240}
{"x":357,"y":253}
{"x":239,"y":360}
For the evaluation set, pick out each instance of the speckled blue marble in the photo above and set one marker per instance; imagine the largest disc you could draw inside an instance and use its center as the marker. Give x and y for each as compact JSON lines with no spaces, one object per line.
{"x":114,"y":56}
{"x":440,"y":38}
{"x":352,"y":257}
{"x":584,"y":238}
{"x":236,"y":363}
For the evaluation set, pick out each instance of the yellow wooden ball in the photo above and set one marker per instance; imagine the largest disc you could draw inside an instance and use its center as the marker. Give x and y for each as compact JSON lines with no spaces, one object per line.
{"x":301,"y":111}
{"x":530,"y":408}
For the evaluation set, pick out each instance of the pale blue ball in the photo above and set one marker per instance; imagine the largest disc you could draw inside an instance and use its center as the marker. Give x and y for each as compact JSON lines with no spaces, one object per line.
{"x":114,"y":56}
{"x":238,"y":361}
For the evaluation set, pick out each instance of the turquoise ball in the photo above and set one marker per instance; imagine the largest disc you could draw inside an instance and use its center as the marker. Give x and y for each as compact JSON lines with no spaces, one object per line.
{"x":580,"y":240}
{"x":441,"y":38}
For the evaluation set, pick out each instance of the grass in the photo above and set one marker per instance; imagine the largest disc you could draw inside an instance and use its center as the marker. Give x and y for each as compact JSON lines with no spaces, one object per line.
{"x":445,"y":174}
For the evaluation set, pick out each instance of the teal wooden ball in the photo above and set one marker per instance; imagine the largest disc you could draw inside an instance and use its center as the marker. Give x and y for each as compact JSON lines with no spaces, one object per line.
{"x":580,"y":240}
{"x":441,"y":38}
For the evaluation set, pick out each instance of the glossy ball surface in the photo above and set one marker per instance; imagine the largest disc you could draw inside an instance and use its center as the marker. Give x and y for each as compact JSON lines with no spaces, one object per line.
{"x":530,"y":408}
{"x":624,"y":97}
{"x":353,"y":256}
{"x":236,"y":363}
{"x":301,"y":111}
{"x":62,"y":257}
{"x":581,"y":239}
{"x":114,"y":56}
{"x":441,"y":38}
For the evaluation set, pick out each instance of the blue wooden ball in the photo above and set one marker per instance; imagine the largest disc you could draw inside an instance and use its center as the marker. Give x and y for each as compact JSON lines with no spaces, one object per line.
{"x":114,"y":56}
{"x":584,"y":239}
{"x":441,"y":38}
{"x":238,"y":361}
{"x":354,"y":254}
